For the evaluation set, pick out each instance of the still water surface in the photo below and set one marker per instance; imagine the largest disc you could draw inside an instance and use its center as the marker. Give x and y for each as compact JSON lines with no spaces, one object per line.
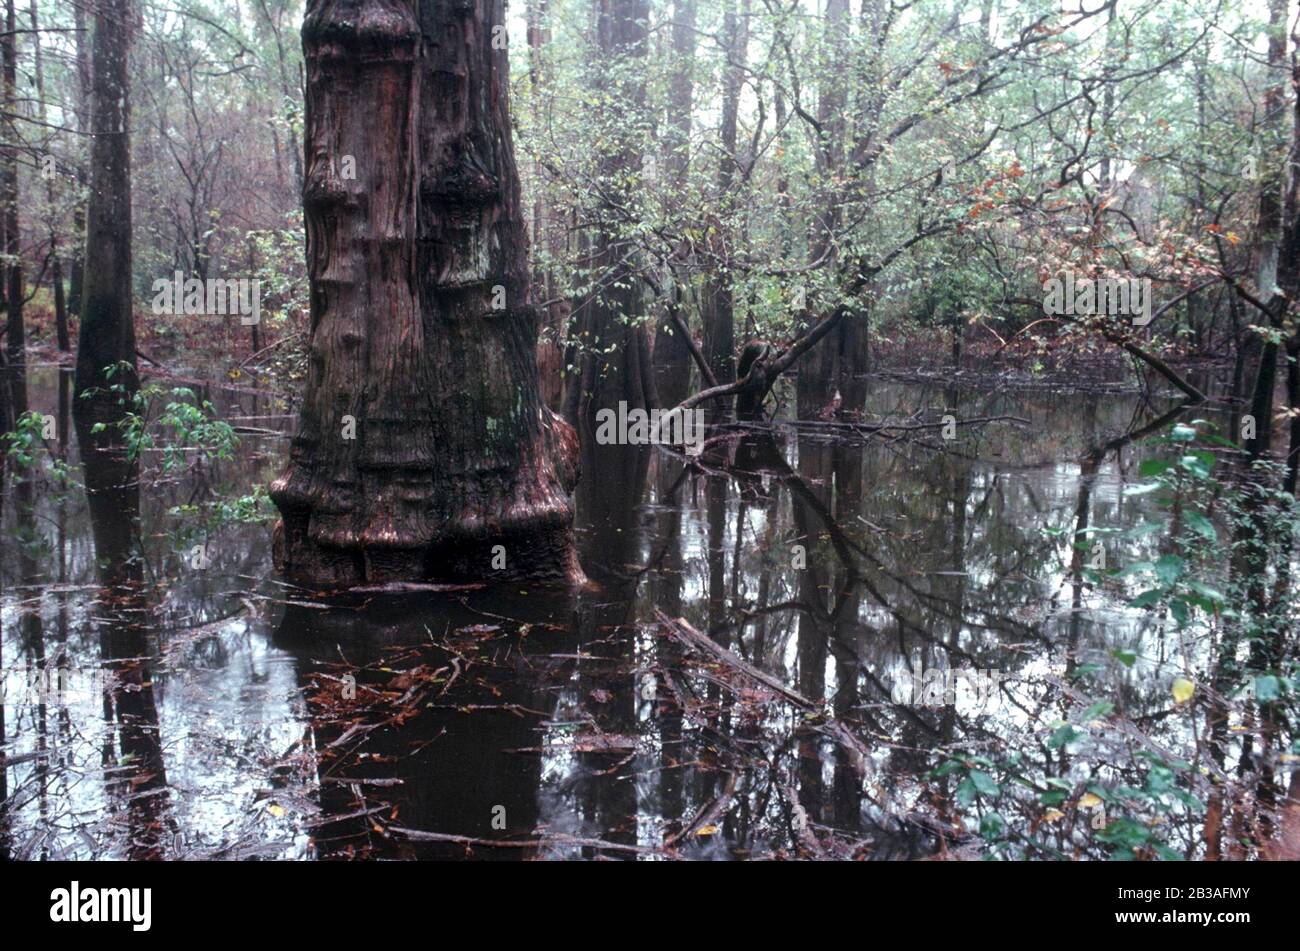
{"x":211,"y":711}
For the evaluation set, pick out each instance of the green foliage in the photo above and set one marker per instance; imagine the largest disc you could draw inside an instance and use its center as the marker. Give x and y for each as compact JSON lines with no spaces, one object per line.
{"x":1098,"y":780}
{"x":171,"y":420}
{"x":25,"y":447}
{"x":204,"y":520}
{"x":1022,"y":810}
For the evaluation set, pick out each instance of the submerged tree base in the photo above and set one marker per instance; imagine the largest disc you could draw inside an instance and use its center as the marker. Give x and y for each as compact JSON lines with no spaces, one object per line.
{"x":505,"y":526}
{"x":529,"y":550}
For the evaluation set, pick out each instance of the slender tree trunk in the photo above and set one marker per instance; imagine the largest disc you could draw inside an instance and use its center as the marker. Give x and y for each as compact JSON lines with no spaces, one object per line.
{"x":423,"y":444}
{"x":60,"y":307}
{"x":1113,"y":55}
{"x":718,"y":300}
{"x":56,"y":261}
{"x":1291,"y":481}
{"x":288,"y":95}
{"x":16,"y":339}
{"x":550,"y":350}
{"x":83,"y":111}
{"x":819,"y":368}
{"x":672,"y":353}
{"x":107,"y":336}
{"x":616,"y":361}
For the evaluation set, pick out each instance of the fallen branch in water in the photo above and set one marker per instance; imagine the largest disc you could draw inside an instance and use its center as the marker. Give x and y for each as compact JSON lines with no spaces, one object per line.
{"x":405,"y":587}
{"x":701,"y":641}
{"x":905,"y":427}
{"x":250,"y":359}
{"x":690,"y":636}
{"x":1156,"y":364}
{"x":709,"y":815}
{"x":419,"y":835}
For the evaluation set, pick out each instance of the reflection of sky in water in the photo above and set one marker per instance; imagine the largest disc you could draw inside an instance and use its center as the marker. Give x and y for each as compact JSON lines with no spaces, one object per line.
{"x":228,"y":729}
{"x":237,"y":735}
{"x":224,"y":732}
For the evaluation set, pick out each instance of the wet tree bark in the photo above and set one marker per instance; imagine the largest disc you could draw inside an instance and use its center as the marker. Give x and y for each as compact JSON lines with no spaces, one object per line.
{"x":423,"y":443}
{"x":107,"y":335}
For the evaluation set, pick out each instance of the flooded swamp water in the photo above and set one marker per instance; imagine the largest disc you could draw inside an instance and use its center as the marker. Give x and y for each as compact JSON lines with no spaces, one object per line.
{"x":162,"y":705}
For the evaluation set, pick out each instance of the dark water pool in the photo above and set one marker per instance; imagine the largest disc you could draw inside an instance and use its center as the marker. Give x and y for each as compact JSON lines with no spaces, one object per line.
{"x":211,"y":711}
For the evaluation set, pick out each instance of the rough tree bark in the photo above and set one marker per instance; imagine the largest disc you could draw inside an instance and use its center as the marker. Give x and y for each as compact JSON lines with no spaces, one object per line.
{"x":107,"y":335}
{"x":422,"y":441}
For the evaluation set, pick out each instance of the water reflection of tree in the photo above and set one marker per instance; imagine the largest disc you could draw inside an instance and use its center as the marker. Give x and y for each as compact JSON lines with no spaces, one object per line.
{"x":947,"y":504}
{"x":446,"y":721}
{"x":915,"y":550}
{"x":137,"y":779}
{"x":665,"y":589}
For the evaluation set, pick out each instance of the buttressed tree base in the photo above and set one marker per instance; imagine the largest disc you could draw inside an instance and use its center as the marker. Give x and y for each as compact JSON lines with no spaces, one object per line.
{"x":424,"y":451}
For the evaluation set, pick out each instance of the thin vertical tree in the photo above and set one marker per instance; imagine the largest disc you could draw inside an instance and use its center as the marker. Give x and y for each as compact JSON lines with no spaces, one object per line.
{"x":672,"y":352}
{"x":718,"y":303}
{"x":616,"y":359}
{"x":16,"y":337}
{"x":106,"y":342}
{"x":51,"y":193}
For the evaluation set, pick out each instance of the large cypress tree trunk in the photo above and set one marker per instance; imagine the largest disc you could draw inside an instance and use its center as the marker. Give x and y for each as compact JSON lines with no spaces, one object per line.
{"x":422,"y":441}
{"x":107,"y":335}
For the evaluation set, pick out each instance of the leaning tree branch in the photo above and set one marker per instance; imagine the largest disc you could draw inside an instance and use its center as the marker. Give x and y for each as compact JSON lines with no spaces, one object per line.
{"x":1156,"y":364}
